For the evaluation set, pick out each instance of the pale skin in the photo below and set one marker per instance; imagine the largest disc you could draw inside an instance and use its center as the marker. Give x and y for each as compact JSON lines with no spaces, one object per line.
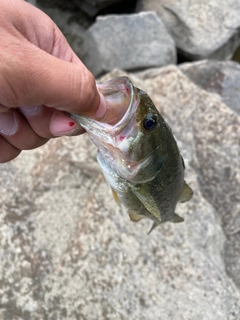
{"x":41,"y":78}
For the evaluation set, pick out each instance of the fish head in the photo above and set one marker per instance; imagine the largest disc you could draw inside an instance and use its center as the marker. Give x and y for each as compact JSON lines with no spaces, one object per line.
{"x":131,"y":137}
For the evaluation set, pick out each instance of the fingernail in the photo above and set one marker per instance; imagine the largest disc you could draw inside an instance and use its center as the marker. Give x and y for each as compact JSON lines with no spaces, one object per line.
{"x":30,"y":110}
{"x":63,"y":125}
{"x":102,"y":109}
{"x":8,"y":123}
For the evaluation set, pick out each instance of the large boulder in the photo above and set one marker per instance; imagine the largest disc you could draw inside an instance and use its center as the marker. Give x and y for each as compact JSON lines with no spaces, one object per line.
{"x":201,"y":29}
{"x":68,"y":252}
{"x":212,"y":131}
{"x":129,"y":42}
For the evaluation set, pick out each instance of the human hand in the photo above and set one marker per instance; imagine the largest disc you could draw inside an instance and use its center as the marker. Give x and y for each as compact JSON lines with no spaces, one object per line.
{"x":40,"y":78}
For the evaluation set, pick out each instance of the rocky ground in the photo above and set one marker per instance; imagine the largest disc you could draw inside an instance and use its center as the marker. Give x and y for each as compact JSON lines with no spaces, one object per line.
{"x":68,"y":252}
{"x":116,"y":33}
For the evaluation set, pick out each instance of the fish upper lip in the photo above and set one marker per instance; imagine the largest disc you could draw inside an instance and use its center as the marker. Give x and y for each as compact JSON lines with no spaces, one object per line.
{"x":104,"y":131}
{"x":121,"y":124}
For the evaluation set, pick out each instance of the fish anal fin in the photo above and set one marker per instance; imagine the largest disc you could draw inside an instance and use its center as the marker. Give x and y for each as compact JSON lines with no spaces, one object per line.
{"x":115,"y":197}
{"x":134,"y":216}
{"x":176,"y":218}
{"x":186,"y":194}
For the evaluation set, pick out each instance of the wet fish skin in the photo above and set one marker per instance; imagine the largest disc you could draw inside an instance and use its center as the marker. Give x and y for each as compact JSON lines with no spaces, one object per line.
{"x":139,"y":156}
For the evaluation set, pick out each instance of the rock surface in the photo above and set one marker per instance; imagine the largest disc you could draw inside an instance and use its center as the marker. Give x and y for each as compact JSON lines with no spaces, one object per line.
{"x":221,"y":77}
{"x":196,"y":29}
{"x":133,"y":42}
{"x":201,"y":29}
{"x":67,"y":251}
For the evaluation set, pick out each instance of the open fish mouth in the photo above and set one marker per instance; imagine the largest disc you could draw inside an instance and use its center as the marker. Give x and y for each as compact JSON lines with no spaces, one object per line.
{"x":119,"y":96}
{"x":122,"y":101}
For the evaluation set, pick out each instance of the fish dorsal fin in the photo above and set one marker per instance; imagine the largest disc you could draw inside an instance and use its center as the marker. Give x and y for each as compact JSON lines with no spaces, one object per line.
{"x":176,"y":218}
{"x":143,"y":194}
{"x":115,"y":197}
{"x":134,"y":216}
{"x":186,"y":194}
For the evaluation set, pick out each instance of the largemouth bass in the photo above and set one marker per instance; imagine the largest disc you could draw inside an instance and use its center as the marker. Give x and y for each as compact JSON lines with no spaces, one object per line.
{"x":138,"y":155}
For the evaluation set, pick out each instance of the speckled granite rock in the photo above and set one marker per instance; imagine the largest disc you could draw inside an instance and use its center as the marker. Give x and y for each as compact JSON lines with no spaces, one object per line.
{"x":67,"y":251}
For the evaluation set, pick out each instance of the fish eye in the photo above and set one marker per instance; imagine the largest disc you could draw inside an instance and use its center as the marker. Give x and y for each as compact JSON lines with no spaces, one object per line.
{"x":149,"y":121}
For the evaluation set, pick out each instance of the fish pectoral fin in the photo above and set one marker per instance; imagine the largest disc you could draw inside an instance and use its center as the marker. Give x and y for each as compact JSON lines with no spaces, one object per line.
{"x":176,"y":218}
{"x":134,"y":216}
{"x":141,"y":191}
{"x":187,"y":193}
{"x":115,"y":197}
{"x":154,"y":225}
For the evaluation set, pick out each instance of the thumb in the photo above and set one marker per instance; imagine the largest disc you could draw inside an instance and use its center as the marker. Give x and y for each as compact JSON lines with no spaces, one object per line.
{"x":37,"y":65}
{"x":38,"y":78}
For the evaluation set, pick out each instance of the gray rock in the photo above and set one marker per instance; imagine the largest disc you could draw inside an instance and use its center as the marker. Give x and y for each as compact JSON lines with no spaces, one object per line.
{"x":201,"y":29}
{"x":221,"y":77}
{"x":67,"y":251}
{"x":129,"y":42}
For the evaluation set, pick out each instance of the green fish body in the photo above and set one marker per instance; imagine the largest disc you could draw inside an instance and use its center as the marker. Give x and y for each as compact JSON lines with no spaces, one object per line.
{"x":138,"y":155}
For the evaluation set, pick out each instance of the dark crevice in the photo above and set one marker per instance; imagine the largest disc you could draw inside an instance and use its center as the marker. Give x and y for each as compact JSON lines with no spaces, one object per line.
{"x":181,"y":58}
{"x":123,"y":7}
{"x":64,"y":5}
